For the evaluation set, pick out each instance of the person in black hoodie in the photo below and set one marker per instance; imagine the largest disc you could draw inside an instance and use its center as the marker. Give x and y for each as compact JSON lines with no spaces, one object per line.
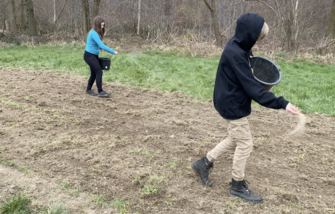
{"x":235,"y":88}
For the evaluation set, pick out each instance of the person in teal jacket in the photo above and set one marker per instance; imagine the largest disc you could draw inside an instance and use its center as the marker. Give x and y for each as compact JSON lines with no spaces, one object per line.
{"x":91,"y":56}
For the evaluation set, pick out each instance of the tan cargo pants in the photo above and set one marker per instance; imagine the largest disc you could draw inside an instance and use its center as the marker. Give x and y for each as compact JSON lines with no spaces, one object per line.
{"x":240,"y":141}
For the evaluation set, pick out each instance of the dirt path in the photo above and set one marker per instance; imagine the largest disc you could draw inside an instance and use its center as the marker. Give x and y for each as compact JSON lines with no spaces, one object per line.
{"x":136,"y":147}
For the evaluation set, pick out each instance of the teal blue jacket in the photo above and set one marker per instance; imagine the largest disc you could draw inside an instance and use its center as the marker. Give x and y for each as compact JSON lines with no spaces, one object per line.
{"x":94,"y":44}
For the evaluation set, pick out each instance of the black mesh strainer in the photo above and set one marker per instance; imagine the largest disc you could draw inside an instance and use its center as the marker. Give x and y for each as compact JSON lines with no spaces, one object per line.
{"x":266,"y":72}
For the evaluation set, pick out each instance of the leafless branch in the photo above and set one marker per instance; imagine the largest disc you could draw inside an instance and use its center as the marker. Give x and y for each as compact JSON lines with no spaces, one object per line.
{"x":61,"y":11}
{"x":209,"y":7}
{"x":263,"y":2}
{"x":224,"y":32}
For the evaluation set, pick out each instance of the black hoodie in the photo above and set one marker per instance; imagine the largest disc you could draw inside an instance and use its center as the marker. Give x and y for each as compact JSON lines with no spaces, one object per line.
{"x":235,"y":85}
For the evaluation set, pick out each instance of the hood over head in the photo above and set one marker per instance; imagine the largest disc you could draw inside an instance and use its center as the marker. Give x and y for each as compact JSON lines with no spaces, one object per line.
{"x":248,"y":28}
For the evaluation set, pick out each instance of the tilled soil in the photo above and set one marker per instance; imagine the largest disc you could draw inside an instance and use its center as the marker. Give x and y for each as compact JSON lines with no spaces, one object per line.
{"x":61,"y":146}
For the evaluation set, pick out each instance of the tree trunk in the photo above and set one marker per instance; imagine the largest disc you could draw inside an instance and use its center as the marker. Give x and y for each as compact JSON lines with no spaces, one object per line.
{"x":168,"y":14}
{"x":31,"y":18}
{"x":56,"y":17}
{"x":215,"y":21}
{"x":55,"y":11}
{"x":4,"y":23}
{"x":167,"y":8}
{"x":23,"y":17}
{"x":331,"y":29}
{"x":96,"y":8}
{"x":296,"y":26}
{"x":7,"y":25}
{"x":138,"y":17}
{"x":86,"y":17}
{"x":291,"y":26}
{"x":12,"y":19}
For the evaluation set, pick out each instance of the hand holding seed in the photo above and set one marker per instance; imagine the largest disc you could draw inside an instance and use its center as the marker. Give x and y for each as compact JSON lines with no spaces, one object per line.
{"x":292,"y":109}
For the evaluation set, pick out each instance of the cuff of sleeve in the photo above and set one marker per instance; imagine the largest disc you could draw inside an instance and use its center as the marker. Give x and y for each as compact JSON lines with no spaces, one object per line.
{"x":285,"y":103}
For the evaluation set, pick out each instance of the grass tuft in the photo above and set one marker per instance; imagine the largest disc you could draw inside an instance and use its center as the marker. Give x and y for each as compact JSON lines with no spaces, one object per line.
{"x":18,"y":204}
{"x":54,"y":209}
{"x":120,"y":205}
{"x":100,"y":201}
{"x":148,"y":191}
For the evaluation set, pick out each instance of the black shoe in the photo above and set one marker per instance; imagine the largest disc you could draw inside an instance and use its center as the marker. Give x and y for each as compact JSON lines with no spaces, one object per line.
{"x":240,"y":189}
{"x":203,"y":168}
{"x":103,"y":94}
{"x":92,"y":93}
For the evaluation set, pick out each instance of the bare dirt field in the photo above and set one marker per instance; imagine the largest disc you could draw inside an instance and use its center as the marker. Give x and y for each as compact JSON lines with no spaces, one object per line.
{"x":61,"y":146}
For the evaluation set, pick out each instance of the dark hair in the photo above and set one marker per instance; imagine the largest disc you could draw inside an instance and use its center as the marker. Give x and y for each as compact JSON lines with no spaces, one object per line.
{"x":97,"y":26}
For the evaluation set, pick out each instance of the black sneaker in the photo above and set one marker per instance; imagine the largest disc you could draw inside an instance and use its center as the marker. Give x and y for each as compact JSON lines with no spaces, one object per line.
{"x":92,"y":93}
{"x":103,"y":94}
{"x":240,"y":189}
{"x":203,"y":168}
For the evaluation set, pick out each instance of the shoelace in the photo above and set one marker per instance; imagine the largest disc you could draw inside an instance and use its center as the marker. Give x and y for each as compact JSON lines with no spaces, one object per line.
{"x":245,"y":184}
{"x":209,"y":167}
{"x":210,"y":170}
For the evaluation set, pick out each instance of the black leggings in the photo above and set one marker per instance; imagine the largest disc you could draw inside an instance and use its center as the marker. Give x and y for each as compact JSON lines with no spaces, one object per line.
{"x":96,"y":71}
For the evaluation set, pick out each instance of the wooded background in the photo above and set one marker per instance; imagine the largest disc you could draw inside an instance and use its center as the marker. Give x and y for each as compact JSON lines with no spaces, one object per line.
{"x":295,"y":25}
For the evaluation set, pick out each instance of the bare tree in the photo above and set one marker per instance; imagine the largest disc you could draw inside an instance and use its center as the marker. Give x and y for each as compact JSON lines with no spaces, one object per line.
{"x":96,"y":6}
{"x":286,"y":17}
{"x":31,"y":17}
{"x":12,"y":19}
{"x":331,"y":29}
{"x":86,"y":17}
{"x":22,"y":16}
{"x":138,"y":17}
{"x":3,"y":5}
{"x":216,"y":27}
{"x":291,"y":24}
{"x":168,"y":15}
{"x":55,"y":15}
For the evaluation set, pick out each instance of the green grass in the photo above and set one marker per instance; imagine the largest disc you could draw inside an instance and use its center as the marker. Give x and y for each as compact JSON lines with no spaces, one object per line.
{"x":309,"y":86}
{"x":55,"y":209}
{"x":120,"y":205}
{"x":148,"y":190}
{"x":67,"y":188}
{"x":21,"y":204}
{"x":100,"y":201}
{"x":18,"y":204}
